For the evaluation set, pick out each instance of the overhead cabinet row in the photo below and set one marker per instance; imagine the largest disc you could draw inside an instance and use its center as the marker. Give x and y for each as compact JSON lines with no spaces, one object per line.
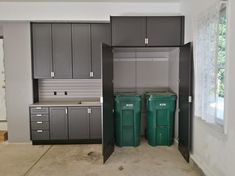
{"x":148,"y":31}
{"x":62,"y":50}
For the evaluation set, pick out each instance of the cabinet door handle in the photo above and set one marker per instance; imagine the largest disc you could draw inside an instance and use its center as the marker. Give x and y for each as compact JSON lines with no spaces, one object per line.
{"x":38,"y":107}
{"x":39,"y":131}
{"x":39,"y":122}
{"x":39,"y":115}
{"x":52,"y":74}
{"x":89,"y":110}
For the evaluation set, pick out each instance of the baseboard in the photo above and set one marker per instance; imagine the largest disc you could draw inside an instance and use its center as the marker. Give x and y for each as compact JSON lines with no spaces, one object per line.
{"x":201,"y":165}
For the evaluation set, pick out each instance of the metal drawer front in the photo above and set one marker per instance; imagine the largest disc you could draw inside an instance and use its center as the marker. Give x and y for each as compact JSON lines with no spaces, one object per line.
{"x":39,"y":117}
{"x":39,"y":110}
{"x":40,"y":135}
{"x":40,"y":125}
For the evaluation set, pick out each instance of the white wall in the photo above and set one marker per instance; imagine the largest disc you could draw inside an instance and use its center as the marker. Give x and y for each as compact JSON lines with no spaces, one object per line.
{"x":173,"y":78}
{"x":212,"y":149}
{"x":17,"y":53}
{"x":82,"y":11}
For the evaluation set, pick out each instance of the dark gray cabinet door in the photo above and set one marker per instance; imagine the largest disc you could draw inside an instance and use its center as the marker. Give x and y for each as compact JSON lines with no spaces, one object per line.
{"x":95,"y":123}
{"x":185,"y":91}
{"x":107,"y":93}
{"x":128,"y":31}
{"x":42,"y":50}
{"x":62,"y":50}
{"x":78,"y":123}
{"x":100,"y":33}
{"x":58,"y":123}
{"x":81,"y":39}
{"x":165,"y":31}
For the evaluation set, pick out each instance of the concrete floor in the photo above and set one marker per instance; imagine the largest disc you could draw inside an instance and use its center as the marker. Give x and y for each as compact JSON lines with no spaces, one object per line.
{"x":86,"y":160}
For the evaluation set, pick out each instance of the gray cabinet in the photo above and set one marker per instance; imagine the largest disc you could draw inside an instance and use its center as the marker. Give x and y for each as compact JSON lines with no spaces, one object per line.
{"x":158,"y":31}
{"x":58,"y":123}
{"x":100,"y":33}
{"x":95,"y":123}
{"x":62,"y":47}
{"x":78,"y":123}
{"x":65,"y":51}
{"x":42,"y":50}
{"x":165,"y":31}
{"x":39,"y":123}
{"x":81,"y":51}
{"x":128,"y":31}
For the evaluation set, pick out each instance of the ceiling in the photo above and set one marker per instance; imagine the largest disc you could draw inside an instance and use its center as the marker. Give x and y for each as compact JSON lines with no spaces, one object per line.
{"x":90,"y":1}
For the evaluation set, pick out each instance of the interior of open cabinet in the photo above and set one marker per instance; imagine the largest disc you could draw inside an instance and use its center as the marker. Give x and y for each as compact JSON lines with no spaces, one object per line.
{"x":142,"y":70}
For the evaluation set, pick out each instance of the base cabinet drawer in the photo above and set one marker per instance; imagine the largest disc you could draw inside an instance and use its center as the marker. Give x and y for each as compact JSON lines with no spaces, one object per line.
{"x":40,"y":135}
{"x":39,"y":110}
{"x":40,"y":125}
{"x":39,"y":117}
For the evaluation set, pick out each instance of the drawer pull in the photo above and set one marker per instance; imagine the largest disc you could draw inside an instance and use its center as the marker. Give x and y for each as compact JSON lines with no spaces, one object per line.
{"x":39,"y":131}
{"x":39,"y":122}
{"x":39,"y":115}
{"x":38,"y":107}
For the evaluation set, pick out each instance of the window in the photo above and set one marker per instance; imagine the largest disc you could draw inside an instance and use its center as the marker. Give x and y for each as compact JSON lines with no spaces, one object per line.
{"x":210,"y":64}
{"x":222,"y":31}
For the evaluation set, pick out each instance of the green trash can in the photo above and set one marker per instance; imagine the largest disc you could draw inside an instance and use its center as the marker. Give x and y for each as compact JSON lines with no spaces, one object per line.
{"x":160,"y":118}
{"x":127,"y":119}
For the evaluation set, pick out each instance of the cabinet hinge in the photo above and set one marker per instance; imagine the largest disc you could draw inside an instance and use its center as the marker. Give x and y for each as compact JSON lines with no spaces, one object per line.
{"x":190,"y":99}
{"x":52,"y":74}
{"x":91,"y":74}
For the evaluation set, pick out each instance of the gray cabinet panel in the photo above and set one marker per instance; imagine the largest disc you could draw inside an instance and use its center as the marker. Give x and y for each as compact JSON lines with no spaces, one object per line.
{"x":39,"y":117}
{"x":95,"y":123}
{"x":42,"y":50}
{"x":164,"y":31}
{"x":81,"y":50}
{"x":128,"y":31}
{"x":39,"y":110}
{"x":39,"y":125}
{"x":78,"y":123}
{"x":62,"y":50}
{"x":58,"y":123}
{"x":100,"y":33}
{"x":40,"y":135}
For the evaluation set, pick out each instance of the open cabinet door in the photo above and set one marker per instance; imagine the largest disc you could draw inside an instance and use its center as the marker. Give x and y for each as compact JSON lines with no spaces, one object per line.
{"x":107,"y":88}
{"x":185,"y":99}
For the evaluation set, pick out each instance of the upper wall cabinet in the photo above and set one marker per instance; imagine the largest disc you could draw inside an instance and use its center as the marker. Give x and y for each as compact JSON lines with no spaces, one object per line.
{"x":42,"y":50}
{"x":165,"y":31}
{"x":81,"y":51}
{"x":148,"y":31}
{"x":100,"y":33}
{"x":62,"y":50}
{"x":128,"y":31}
